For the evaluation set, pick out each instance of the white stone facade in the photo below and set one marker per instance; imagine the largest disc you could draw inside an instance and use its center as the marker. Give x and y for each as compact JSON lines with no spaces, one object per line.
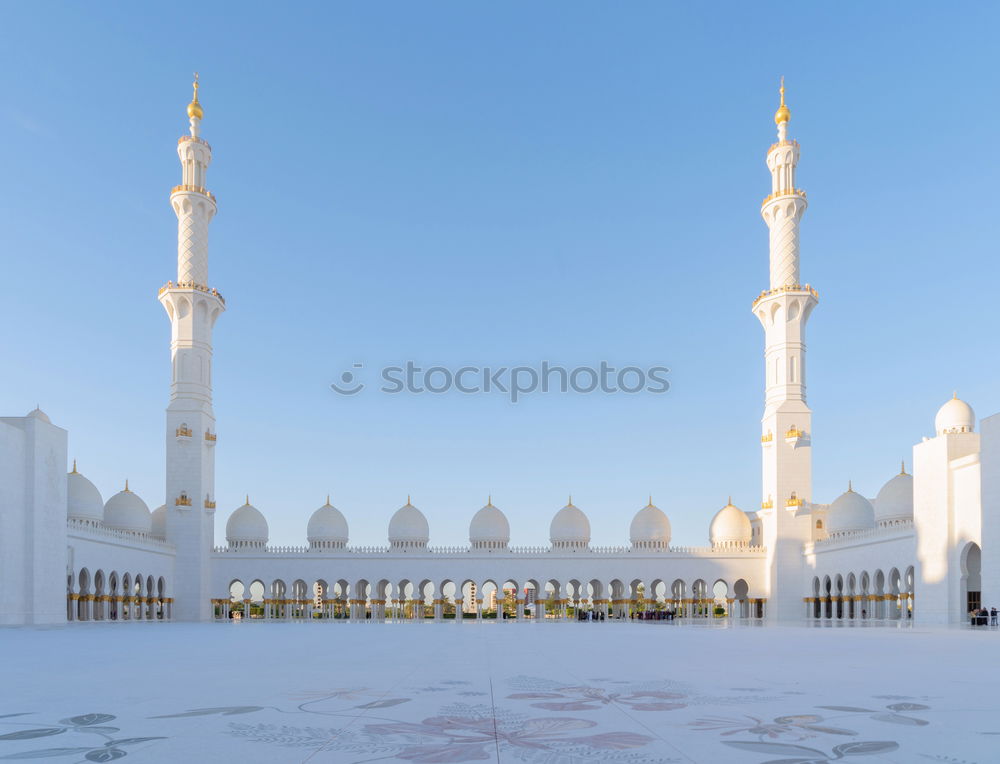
{"x":926,"y":547}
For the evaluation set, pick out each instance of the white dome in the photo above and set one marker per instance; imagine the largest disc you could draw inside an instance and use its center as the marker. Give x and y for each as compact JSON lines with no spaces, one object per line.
{"x":851,"y":512}
{"x":327,"y":528}
{"x":570,"y":527}
{"x":37,"y":413}
{"x":895,"y":501}
{"x":650,"y":528}
{"x":83,"y":500}
{"x":955,"y":416}
{"x":158,"y":525}
{"x":730,"y":527}
{"x":408,"y":527}
{"x":125,"y":511}
{"x":489,"y":528}
{"x":247,"y":527}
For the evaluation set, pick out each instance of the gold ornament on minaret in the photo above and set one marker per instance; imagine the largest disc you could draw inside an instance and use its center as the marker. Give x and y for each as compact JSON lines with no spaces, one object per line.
{"x":781,"y":115}
{"x":194,"y":108}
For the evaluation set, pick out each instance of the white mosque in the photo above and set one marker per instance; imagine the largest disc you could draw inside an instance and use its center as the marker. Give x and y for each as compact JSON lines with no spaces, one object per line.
{"x":927,"y":547}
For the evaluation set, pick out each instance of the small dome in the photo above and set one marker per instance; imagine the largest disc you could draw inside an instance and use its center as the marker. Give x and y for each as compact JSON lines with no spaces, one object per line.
{"x":125,"y":511}
{"x":730,"y":527}
{"x":650,"y":528}
{"x":37,"y":413}
{"x":851,"y":512}
{"x":955,"y":416}
{"x":895,"y":501}
{"x":247,"y":528}
{"x":158,"y":525}
{"x":327,"y":528}
{"x":194,"y":109}
{"x":83,"y":500}
{"x":408,"y":527}
{"x":489,"y":528}
{"x":570,"y":527}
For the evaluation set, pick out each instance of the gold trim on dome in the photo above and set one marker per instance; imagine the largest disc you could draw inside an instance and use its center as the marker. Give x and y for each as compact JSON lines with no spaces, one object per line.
{"x":194,"y":109}
{"x":783,"y":114}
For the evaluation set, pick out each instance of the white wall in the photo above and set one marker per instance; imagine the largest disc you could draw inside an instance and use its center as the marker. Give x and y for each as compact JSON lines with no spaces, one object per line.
{"x":32,"y":521}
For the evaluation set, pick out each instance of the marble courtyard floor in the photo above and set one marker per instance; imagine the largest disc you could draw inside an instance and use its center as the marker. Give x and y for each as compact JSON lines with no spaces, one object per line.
{"x":553,"y":692}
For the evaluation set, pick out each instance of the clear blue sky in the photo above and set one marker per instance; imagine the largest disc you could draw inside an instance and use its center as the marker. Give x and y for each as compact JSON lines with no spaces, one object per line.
{"x":463,"y":183}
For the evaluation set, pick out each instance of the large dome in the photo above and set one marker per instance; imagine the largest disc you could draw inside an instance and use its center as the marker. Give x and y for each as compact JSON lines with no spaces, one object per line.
{"x":894,"y":502}
{"x":125,"y":511}
{"x":247,"y":528}
{"x":955,"y":416}
{"x":570,"y":527}
{"x":408,"y":528}
{"x":83,"y":500}
{"x":851,"y":512}
{"x":37,"y":413}
{"x":158,"y":526}
{"x":730,"y":527}
{"x":489,"y":528}
{"x":327,"y":528}
{"x":650,"y":528}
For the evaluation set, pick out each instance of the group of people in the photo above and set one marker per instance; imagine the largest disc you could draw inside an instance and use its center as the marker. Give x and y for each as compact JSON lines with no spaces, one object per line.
{"x":654,"y":615}
{"x":982,"y":616}
{"x":590,"y":615}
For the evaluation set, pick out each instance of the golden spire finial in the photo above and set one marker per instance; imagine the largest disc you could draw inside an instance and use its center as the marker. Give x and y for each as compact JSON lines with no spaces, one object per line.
{"x":126,"y":486}
{"x":650,"y":500}
{"x":850,"y":487}
{"x":408,"y":500}
{"x":570,"y":500}
{"x":782,"y":114}
{"x":74,"y":466}
{"x":248,"y":500}
{"x":954,"y":395}
{"x":194,"y":108}
{"x":730,"y":502}
{"x":328,"y":500}
{"x":489,"y":500}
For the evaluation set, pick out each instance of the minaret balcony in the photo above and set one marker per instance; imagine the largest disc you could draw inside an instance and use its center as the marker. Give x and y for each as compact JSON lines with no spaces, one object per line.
{"x":183,"y":433}
{"x":182,"y":501}
{"x":786,"y":288}
{"x":795,"y":437}
{"x":209,"y":504}
{"x":767,"y":504}
{"x":210,"y":438}
{"x":184,"y":187}
{"x":192,"y":285}
{"x":793,"y":501}
{"x":787,"y":192}
{"x":768,"y":439}
{"x":779,"y":144}
{"x":202,"y":141}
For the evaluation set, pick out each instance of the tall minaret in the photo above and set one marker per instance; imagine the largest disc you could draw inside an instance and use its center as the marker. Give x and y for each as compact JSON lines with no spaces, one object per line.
{"x":192,"y":308}
{"x":786,"y":427}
